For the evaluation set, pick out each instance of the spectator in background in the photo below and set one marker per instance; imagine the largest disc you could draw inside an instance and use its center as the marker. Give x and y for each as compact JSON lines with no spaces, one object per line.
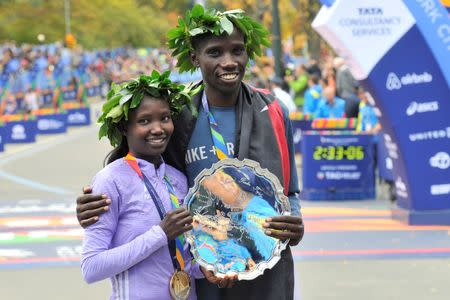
{"x":352,"y":103}
{"x":8,"y":105}
{"x":276,"y":87}
{"x":329,"y":76}
{"x":298,"y":83}
{"x":345,"y":87}
{"x":345,"y":82}
{"x":367,"y":120}
{"x":31,"y":101}
{"x":312,"y":95}
{"x":313,"y":68}
{"x":331,"y":106}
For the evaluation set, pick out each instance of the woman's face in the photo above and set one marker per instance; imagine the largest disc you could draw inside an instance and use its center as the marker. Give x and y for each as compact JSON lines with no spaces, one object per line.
{"x":222,"y":61}
{"x":149,"y":129}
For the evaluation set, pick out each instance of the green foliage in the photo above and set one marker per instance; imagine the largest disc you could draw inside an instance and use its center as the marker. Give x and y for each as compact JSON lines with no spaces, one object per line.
{"x":199,"y":21}
{"x":128,"y":95}
{"x":94,"y":23}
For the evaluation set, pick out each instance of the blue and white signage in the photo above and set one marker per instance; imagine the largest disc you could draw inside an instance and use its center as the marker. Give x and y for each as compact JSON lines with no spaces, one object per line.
{"x":51,"y":123}
{"x":2,"y":137}
{"x":17,"y":132}
{"x":93,"y":91}
{"x":298,"y":127}
{"x":337,"y":167}
{"x":78,"y":116}
{"x":400,"y":52}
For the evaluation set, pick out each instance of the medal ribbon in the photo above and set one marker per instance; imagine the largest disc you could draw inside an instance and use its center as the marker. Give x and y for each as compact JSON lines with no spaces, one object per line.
{"x":219,"y":142}
{"x":179,"y":240}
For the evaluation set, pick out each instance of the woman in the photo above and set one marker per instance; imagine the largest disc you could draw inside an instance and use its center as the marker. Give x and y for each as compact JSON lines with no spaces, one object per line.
{"x":134,"y":242}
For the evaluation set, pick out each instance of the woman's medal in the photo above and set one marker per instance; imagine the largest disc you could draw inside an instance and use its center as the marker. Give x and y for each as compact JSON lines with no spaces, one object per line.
{"x":180,"y":285}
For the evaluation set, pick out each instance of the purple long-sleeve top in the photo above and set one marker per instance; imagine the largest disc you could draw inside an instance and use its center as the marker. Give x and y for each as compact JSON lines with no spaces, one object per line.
{"x":127,"y":244}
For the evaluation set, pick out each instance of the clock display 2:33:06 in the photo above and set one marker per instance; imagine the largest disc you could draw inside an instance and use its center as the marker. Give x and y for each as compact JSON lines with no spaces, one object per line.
{"x":351,"y":152}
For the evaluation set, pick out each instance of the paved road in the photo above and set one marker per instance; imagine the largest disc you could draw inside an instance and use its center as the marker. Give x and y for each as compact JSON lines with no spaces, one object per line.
{"x":352,"y":250}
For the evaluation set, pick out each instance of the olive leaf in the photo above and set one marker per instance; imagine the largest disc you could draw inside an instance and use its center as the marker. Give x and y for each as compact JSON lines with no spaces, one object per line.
{"x":127,"y":96}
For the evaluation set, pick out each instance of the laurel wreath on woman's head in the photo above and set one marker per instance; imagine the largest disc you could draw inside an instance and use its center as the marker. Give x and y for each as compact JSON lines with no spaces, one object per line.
{"x":199,"y":21}
{"x":128,"y":95}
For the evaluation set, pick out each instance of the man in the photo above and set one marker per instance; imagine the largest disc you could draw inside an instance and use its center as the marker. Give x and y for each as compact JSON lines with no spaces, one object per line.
{"x":331,"y":106}
{"x":367,"y":120}
{"x":276,"y":84}
{"x":298,"y":84}
{"x":253,"y":125}
{"x":312,"y":95}
{"x":345,"y":87}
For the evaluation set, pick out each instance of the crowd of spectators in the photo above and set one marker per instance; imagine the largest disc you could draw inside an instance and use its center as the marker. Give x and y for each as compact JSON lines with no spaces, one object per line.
{"x":30,"y":75}
{"x":324,"y":89}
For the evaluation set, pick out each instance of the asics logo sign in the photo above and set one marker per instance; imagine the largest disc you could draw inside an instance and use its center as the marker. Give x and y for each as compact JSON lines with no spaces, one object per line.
{"x":423,"y":107}
{"x":393,"y":82}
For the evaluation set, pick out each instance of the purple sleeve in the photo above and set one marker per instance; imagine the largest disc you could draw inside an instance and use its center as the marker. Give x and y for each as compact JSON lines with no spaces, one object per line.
{"x":195,"y":271}
{"x":99,"y":261}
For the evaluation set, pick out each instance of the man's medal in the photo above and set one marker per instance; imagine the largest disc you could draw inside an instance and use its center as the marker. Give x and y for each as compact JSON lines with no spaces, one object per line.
{"x":180,"y":282}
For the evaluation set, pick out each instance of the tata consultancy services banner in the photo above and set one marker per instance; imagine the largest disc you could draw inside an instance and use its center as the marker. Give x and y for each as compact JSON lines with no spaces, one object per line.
{"x":400,"y":51}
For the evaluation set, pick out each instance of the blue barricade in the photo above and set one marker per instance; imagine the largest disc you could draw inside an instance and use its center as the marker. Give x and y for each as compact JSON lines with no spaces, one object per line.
{"x":69,"y":95}
{"x":298,"y":127}
{"x":78,"y":116}
{"x":51,"y":123}
{"x":47,"y":99}
{"x":337,"y":167}
{"x":93,"y":91}
{"x":384,"y":162}
{"x":2,"y":138}
{"x":20,"y":132}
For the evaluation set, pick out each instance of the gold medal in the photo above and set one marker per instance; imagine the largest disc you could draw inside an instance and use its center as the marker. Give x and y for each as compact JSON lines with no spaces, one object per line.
{"x":180,"y":285}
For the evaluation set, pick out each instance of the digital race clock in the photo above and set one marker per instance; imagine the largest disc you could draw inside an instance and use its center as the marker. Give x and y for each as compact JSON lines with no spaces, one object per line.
{"x":351,"y":152}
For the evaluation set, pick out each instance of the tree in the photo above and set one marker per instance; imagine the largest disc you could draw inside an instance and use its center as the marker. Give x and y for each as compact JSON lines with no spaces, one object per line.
{"x":296,"y":17}
{"x":94,"y":23}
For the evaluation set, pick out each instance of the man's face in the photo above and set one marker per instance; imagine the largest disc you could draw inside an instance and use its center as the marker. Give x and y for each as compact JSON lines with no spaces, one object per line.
{"x":222,"y":61}
{"x":362,"y":96}
{"x":329,"y":95}
{"x":224,"y":187}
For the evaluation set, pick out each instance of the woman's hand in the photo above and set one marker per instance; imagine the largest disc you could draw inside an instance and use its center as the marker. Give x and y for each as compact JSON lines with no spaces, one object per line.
{"x":285,"y":227}
{"x":176,"y":222}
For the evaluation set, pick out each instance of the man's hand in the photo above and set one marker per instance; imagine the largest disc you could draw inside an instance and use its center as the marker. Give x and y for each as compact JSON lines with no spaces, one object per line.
{"x":90,"y":207}
{"x":285,"y":227}
{"x":226,"y":282}
{"x":176,"y":222}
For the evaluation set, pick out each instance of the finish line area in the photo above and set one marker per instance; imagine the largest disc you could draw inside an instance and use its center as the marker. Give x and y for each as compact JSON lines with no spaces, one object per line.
{"x":37,"y":233}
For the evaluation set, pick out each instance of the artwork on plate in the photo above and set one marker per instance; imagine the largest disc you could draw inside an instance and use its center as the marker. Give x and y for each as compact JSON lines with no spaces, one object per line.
{"x":230,"y":203}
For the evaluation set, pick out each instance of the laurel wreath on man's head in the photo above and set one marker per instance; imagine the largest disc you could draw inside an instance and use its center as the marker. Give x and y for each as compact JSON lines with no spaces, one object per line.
{"x":199,"y":21}
{"x":128,"y":95}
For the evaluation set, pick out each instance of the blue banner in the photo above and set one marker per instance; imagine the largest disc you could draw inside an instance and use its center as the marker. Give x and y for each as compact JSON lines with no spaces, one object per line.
{"x":410,"y":92}
{"x":78,"y":116}
{"x":298,"y":127}
{"x":69,"y":95}
{"x":2,"y":138}
{"x":52,"y":123}
{"x":47,"y":100}
{"x":20,"y":132}
{"x":337,"y":167}
{"x":384,"y":161}
{"x":93,"y":91}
